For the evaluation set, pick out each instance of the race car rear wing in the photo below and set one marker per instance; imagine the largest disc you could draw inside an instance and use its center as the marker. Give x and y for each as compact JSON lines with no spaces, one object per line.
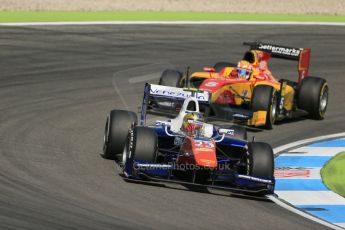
{"x":169,"y":98}
{"x":302,"y":55}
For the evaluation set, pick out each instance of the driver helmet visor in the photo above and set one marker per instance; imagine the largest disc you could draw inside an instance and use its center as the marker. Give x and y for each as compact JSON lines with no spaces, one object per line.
{"x":197,"y":123}
{"x":243,"y":72}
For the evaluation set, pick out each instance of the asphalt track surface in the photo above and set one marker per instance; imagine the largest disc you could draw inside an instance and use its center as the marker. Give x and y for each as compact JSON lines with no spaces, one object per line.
{"x":56,"y":88}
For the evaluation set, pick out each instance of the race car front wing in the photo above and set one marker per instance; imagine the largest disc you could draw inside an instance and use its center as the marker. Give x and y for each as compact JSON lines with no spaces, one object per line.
{"x":229,"y":180}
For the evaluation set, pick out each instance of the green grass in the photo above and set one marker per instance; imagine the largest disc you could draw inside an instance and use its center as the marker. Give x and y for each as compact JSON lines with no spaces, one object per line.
{"x":38,"y":16}
{"x":333,"y":174}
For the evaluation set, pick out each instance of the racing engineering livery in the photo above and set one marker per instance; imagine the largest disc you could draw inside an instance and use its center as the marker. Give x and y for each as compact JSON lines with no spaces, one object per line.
{"x":258,"y":99}
{"x":186,"y":150}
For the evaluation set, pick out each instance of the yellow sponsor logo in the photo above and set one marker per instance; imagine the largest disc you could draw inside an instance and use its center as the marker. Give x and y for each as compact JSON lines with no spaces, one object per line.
{"x":207,"y":161}
{"x":204,"y":149}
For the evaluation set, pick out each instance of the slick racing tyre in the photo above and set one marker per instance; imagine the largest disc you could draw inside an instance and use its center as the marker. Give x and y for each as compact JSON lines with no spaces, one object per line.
{"x":313,"y":97}
{"x":221,"y":65}
{"x":171,"y":78}
{"x":142,"y":144}
{"x":118,"y":123}
{"x":260,"y":162}
{"x":265,"y":98}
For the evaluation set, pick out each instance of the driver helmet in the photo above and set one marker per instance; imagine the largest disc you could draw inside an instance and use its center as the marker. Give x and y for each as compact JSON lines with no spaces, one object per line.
{"x":192,"y":124}
{"x":244,"y":70}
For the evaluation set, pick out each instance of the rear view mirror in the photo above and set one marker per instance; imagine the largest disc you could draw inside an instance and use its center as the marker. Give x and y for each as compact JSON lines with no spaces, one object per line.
{"x":209,"y":69}
{"x":227,"y":131}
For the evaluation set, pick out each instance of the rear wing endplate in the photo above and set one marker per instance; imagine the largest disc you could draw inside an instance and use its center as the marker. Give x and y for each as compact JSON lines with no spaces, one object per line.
{"x":302,"y":55}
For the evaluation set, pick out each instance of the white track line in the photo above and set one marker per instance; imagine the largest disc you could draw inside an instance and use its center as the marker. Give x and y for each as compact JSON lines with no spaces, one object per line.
{"x":301,"y":213}
{"x":294,"y":23}
{"x":306,"y":141}
{"x":305,"y":198}
{"x":289,"y":207}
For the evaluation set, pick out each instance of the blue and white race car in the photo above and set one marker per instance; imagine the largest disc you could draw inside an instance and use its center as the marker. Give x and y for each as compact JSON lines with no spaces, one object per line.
{"x":187,"y":150}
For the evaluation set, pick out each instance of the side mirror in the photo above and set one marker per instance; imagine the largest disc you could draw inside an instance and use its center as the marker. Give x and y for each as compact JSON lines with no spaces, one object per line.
{"x":209,"y":69}
{"x":258,"y":77}
{"x":227,"y":131}
{"x":163,"y":123}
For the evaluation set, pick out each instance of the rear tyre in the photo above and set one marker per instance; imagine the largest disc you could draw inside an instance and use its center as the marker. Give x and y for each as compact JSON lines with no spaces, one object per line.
{"x":142,"y":145}
{"x":313,"y":97}
{"x":260,"y":162}
{"x":265,"y":98}
{"x":171,"y":78}
{"x":118,"y":123}
{"x":221,"y":65}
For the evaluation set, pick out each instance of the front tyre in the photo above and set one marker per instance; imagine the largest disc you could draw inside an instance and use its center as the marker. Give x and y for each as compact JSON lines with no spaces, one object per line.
{"x":313,"y":97}
{"x":142,"y":145}
{"x":171,"y":78}
{"x":219,"y":66}
{"x":118,"y":123}
{"x":265,"y":98}
{"x":260,"y":161}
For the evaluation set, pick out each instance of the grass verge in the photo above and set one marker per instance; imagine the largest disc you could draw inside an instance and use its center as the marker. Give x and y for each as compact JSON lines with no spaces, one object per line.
{"x":54,"y":16}
{"x":333,"y":174}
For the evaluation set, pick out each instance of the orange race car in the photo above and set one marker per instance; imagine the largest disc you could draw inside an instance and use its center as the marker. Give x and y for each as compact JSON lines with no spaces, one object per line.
{"x":248,"y":92}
